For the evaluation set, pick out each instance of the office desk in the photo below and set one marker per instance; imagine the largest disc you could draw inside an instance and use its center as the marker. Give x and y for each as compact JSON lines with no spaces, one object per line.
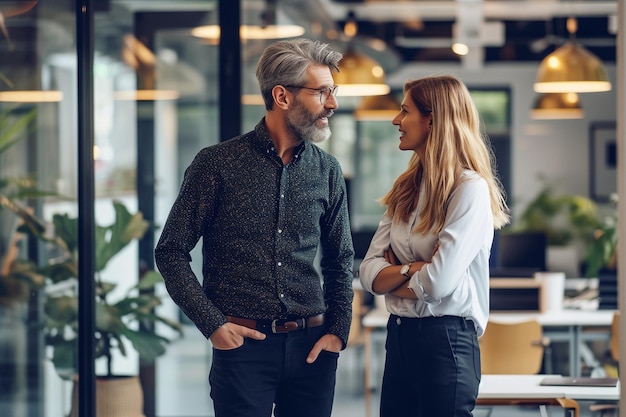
{"x":573,"y":321}
{"x":527,"y":386}
{"x":525,"y":389}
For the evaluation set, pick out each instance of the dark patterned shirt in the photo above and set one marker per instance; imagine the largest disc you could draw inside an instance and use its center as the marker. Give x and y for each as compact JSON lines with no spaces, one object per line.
{"x":261,"y":223}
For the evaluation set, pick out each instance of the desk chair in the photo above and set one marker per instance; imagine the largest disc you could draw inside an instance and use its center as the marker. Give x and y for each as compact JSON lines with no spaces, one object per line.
{"x":514,"y":348}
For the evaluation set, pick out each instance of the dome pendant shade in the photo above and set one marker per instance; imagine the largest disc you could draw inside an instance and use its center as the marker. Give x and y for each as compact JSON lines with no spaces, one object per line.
{"x":377,"y":108}
{"x":249,"y":32}
{"x":552,"y":106}
{"x":31,"y":96}
{"x":360,"y":75}
{"x":571,"y":68}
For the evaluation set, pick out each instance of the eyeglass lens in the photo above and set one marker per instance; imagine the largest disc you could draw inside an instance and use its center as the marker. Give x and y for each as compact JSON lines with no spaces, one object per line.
{"x":327,"y":92}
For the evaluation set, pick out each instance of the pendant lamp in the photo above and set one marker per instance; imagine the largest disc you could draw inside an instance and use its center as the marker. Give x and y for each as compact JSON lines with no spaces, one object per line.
{"x":557,"y":106}
{"x":139,"y":57}
{"x":270,"y":26}
{"x":571,"y":68}
{"x":248,"y":32}
{"x":31,"y":96}
{"x":360,"y":75}
{"x":377,"y":108}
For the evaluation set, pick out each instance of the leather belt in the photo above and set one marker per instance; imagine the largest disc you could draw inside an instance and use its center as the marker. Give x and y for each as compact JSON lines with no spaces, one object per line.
{"x":278,"y":325}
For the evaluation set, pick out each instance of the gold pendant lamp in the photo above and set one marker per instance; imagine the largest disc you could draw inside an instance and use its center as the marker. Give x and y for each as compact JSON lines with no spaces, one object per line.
{"x":359,"y":75}
{"x":571,"y":68}
{"x":557,"y":106}
{"x":384,"y":107}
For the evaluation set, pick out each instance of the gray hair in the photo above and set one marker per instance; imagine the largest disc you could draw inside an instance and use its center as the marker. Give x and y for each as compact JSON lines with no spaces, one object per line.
{"x":286,"y":62}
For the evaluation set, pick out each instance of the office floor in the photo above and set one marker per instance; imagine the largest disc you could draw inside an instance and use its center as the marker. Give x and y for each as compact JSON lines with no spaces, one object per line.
{"x":182,"y":388}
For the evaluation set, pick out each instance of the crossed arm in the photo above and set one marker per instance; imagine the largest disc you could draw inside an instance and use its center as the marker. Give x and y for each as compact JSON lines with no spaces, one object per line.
{"x":391,"y":281}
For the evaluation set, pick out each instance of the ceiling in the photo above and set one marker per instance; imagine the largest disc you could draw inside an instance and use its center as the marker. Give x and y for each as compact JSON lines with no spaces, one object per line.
{"x":390,"y":31}
{"x":496,"y":30}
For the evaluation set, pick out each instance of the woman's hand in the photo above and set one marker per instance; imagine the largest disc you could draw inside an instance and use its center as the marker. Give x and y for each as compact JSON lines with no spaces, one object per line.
{"x":390,"y":277}
{"x":391,"y":257}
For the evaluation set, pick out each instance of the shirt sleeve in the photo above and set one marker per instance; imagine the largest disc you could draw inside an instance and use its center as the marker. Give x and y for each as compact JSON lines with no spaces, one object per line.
{"x":374,"y":260}
{"x":468,"y":224}
{"x":337,"y":260}
{"x":181,"y":233}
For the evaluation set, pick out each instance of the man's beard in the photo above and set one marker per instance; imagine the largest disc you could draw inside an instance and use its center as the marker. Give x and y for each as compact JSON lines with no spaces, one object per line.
{"x":303,"y":123}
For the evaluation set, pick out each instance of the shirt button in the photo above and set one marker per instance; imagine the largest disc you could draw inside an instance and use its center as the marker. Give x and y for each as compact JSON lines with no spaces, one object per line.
{"x":282,"y":295}
{"x":398,"y":321}
{"x":280,"y":230}
{"x":280,"y":264}
{"x":282,"y":196}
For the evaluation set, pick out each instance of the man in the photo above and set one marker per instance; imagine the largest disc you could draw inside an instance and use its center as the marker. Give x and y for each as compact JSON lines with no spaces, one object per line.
{"x":263,"y":203}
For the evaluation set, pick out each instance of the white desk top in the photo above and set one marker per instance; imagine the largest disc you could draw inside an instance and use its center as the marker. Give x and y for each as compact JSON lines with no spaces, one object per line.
{"x":527,"y":386}
{"x":378,"y":317}
{"x":565,"y":317}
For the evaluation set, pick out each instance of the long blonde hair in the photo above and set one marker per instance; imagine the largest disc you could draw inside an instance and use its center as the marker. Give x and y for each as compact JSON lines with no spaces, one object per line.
{"x":454,"y":144}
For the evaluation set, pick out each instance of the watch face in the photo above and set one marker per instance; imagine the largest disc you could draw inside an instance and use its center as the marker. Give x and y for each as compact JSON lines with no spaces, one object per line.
{"x":405,"y":270}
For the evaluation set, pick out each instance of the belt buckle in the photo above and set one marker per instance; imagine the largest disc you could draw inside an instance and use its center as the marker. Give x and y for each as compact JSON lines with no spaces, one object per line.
{"x":274,"y":329}
{"x":285,"y":327}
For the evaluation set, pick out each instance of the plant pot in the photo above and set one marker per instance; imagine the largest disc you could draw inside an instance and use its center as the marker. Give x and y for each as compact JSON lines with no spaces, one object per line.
{"x":116,"y":396}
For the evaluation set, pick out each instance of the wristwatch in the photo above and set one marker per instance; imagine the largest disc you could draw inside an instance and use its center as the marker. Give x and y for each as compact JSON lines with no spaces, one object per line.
{"x":405,"y":270}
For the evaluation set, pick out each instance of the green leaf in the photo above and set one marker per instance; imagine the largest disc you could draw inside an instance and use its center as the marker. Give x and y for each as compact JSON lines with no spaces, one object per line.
{"x":125,"y":228}
{"x":63,"y":309}
{"x":64,"y":358}
{"x":10,"y":127}
{"x":108,"y":319}
{"x":66,"y":229}
{"x":149,"y":280}
{"x":148,"y":345}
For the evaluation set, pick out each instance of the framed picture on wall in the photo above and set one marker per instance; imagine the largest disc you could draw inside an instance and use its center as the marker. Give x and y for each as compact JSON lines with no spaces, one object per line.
{"x":602,"y":160}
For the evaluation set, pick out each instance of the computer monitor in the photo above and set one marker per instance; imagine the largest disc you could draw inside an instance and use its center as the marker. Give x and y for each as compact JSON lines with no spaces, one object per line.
{"x":518,"y":254}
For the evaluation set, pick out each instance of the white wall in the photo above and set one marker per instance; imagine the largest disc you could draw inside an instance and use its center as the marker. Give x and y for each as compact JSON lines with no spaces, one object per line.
{"x":556,"y":149}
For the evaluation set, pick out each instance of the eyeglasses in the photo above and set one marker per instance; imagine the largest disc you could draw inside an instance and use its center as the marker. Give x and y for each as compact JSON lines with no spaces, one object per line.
{"x":325,"y":93}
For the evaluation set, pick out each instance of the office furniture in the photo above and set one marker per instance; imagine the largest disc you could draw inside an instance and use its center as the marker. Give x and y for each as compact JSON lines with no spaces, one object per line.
{"x":513,"y":348}
{"x":518,"y":254}
{"x":515,"y":294}
{"x":526,"y":389}
{"x":607,"y":289}
{"x":611,"y":408}
{"x":614,"y":344}
{"x":565,"y":325}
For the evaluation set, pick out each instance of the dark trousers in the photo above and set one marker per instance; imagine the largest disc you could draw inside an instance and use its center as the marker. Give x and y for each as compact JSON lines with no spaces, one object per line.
{"x":269,"y":374}
{"x":432,"y":367}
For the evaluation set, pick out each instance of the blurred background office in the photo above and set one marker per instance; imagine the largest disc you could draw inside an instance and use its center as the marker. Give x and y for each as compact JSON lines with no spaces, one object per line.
{"x":108,"y":100}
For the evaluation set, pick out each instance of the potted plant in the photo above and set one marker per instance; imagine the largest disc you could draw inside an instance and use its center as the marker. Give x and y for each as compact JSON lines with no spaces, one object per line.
{"x":129,"y":320}
{"x":567,"y":220}
{"x":18,"y":278}
{"x":601,"y":254}
{"x":601,"y":259}
{"x":562,"y":218}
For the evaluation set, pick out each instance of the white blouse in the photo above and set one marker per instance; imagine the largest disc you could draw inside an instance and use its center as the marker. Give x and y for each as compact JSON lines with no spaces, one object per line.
{"x":455,"y":280}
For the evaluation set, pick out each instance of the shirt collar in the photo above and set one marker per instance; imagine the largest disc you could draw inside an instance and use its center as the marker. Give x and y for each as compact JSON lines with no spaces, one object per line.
{"x":266,"y":145}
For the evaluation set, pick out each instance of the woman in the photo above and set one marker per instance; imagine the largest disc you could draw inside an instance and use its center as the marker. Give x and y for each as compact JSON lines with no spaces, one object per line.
{"x":430,"y":253}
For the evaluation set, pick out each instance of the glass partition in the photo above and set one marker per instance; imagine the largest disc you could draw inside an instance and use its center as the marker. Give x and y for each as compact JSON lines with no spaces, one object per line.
{"x":37,"y":177}
{"x":155,"y":105}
